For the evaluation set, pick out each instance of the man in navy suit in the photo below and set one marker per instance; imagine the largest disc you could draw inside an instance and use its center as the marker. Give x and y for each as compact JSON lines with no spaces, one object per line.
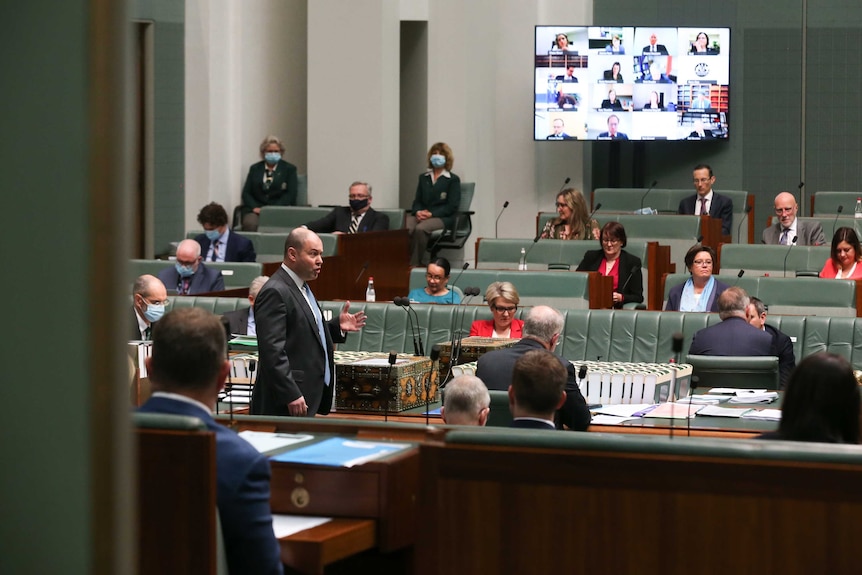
{"x":187,"y":369}
{"x":242,"y":320}
{"x":189,"y":276}
{"x":705,"y":201}
{"x":538,"y":390}
{"x":734,"y":335}
{"x":358,"y":217}
{"x":782,"y":347}
{"x":218,"y":242}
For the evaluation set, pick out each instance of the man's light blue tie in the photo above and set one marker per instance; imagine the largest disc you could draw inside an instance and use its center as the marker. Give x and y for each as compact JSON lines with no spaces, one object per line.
{"x":318,"y":317}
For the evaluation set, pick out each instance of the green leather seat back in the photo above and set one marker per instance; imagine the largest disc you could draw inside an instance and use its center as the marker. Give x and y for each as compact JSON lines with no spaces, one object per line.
{"x":140,"y":267}
{"x":396,"y":217}
{"x":826,"y":204}
{"x":499,"y":416}
{"x":216,"y":305}
{"x":810,"y":296}
{"x":285,"y":218}
{"x":237,"y":274}
{"x":760,"y":259}
{"x":270,"y":246}
{"x":758,"y":372}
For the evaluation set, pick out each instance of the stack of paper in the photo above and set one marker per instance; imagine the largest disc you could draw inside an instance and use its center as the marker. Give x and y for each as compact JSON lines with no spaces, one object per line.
{"x":761,"y":397}
{"x":674,"y":411}
{"x":763,"y":414}
{"x":716,"y":411}
{"x":702,"y":399}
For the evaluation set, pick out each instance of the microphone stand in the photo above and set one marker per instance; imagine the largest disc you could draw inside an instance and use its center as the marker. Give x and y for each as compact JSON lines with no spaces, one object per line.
{"x":677,"y":349}
{"x":405,"y":303}
{"x":792,"y":243}
{"x":497,"y":221}
{"x":835,"y":221}
{"x":739,"y":227}
{"x":643,"y":197}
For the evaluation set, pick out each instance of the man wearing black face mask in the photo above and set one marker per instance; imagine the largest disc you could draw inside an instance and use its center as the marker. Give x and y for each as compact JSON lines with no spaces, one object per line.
{"x":358,"y":217}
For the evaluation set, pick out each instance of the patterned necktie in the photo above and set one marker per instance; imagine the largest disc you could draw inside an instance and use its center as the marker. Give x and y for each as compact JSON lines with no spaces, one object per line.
{"x":318,"y":317}
{"x":148,"y":333}
{"x":784,"y":235}
{"x":703,"y":210}
{"x":184,"y":286}
{"x":354,"y":224}
{"x":215,"y":251}
{"x":267,"y":179}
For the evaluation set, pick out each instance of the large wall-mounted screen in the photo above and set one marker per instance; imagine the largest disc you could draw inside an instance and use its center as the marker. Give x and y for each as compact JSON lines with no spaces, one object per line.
{"x":631,"y":83}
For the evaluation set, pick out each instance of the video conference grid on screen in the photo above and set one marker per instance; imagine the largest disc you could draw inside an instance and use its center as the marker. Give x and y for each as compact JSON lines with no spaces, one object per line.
{"x":631,"y":83}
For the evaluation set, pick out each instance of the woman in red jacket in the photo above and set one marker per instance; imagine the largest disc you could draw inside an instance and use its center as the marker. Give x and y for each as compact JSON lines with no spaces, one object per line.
{"x":503,"y":299}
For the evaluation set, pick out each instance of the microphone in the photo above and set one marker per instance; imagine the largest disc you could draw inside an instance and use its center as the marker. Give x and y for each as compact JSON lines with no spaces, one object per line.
{"x":835,"y":221}
{"x":393,"y":356}
{"x":497,"y":221}
{"x":676,"y":347}
{"x":463,"y":269}
{"x":455,"y":348}
{"x":739,"y":227}
{"x":635,"y":270}
{"x":435,"y":357}
{"x":792,"y":243}
{"x":643,"y":197}
{"x":738,"y":277}
{"x":563,"y":187}
{"x":597,"y":208}
{"x":405,"y":303}
{"x":361,"y":271}
{"x":700,"y":239}
{"x":532,"y":245}
{"x":801,"y":185}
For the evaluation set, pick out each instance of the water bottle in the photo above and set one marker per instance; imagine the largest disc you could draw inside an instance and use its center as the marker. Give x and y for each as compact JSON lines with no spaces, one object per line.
{"x":522,"y":263}
{"x":858,"y":212}
{"x":369,"y":291}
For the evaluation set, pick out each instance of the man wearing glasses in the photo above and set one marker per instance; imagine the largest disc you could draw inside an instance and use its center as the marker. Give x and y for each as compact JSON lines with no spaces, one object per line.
{"x":707,"y":202}
{"x":149,"y":298}
{"x":358,"y":217}
{"x":788,"y":230}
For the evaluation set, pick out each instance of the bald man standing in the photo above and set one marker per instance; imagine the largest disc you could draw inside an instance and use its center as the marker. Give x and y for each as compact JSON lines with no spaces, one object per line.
{"x":789,"y":226}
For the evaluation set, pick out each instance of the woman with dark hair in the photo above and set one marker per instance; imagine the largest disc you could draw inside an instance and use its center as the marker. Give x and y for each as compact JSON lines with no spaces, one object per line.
{"x":613,"y":75}
{"x":435,"y":290}
{"x":700,"y":292}
{"x":613,"y":261}
{"x":821,"y":402}
{"x":438,"y":196}
{"x":845,"y":255}
{"x":701,"y":45}
{"x":574,"y":221}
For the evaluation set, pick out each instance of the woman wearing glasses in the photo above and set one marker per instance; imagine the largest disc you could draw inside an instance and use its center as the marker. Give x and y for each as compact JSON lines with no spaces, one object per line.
{"x":613,"y":261}
{"x":700,"y":292}
{"x":574,"y":221}
{"x":503,"y":299}
{"x":435,"y":290}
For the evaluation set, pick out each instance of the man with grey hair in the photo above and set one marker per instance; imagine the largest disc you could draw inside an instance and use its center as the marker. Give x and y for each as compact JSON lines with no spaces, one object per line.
{"x":359,"y":216}
{"x":189,"y":275}
{"x":542,"y":329}
{"x":782,"y":347}
{"x":466,"y":401}
{"x":242,"y":320}
{"x":734,"y":335}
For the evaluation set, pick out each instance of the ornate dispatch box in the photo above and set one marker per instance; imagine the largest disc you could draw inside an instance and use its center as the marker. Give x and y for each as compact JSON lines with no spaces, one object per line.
{"x":471,"y":349}
{"x":361,"y":382}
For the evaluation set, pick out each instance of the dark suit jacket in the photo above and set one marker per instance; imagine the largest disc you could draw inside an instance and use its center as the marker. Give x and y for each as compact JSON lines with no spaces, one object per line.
{"x":807,"y":234}
{"x":242,"y":478}
{"x":707,"y":135}
{"x":134,"y":332}
{"x":291,"y":363}
{"x":495,"y":369}
{"x":619,"y":136}
{"x":239,"y":248}
{"x":531,"y":424}
{"x":733,"y":336}
{"x":719,"y":207}
{"x":442,"y":198}
{"x":782,"y":347}
{"x":238,"y":320}
{"x":659,"y":49}
{"x":630,"y":267}
{"x":282,"y":191}
{"x":675,"y":295}
{"x":204,"y":280}
{"x":338,"y":220}
{"x":617,"y":105}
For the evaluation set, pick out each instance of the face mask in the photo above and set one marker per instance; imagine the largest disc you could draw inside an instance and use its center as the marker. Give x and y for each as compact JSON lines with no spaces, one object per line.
{"x":272,"y":157}
{"x":212,"y":235}
{"x":154,"y":312}
{"x":184,"y":271}
{"x":438,"y":160}
{"x":357,"y":205}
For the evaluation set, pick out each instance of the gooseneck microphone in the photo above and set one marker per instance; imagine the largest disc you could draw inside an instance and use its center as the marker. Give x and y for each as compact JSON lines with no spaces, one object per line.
{"x":361,"y":272}
{"x":745,"y":215}
{"x":455,"y":349}
{"x":405,"y":303}
{"x":792,"y":243}
{"x":497,"y":221}
{"x":739,"y":277}
{"x":435,"y":357}
{"x":565,"y":183}
{"x":635,"y":270}
{"x":676,"y":347}
{"x":643,"y":197}
{"x":835,"y":221}
{"x":454,"y":283}
{"x":597,"y":208}
{"x":532,"y":245}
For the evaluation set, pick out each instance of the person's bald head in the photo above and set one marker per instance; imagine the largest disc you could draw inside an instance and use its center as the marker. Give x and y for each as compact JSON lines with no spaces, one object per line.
{"x":544,"y":324}
{"x":148,"y":290}
{"x":786,"y":208}
{"x":466,"y":401}
{"x":303,"y":253}
{"x":189,"y":254}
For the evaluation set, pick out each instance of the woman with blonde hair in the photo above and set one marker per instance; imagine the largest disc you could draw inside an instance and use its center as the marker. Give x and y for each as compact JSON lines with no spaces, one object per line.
{"x":574,"y":222}
{"x":503,"y":299}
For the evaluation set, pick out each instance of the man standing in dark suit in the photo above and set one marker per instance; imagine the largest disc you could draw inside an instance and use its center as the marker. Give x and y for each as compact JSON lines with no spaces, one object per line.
{"x":782,"y":347}
{"x":187,"y":369}
{"x":542,"y":330}
{"x":241,"y":321}
{"x":218,"y":242}
{"x":149,"y":298}
{"x":537,"y":391}
{"x":705,"y":201}
{"x":734,"y":335}
{"x":359,"y":217}
{"x":788,"y":225}
{"x":297,"y":373}
{"x":190,"y":276}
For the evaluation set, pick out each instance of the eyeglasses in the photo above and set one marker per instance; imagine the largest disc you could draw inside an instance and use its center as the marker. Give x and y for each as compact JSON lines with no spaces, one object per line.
{"x":505,"y":309}
{"x":164,"y":303}
{"x":561,"y":205}
{"x":701,"y":180}
{"x":610,"y":241}
{"x":703,"y":262}
{"x":433,"y":277}
{"x":355,"y":197}
{"x":780,"y":211}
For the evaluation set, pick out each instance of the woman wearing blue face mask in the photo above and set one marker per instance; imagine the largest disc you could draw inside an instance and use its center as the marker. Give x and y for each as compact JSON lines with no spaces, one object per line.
{"x":438,"y":196}
{"x":271,"y":182}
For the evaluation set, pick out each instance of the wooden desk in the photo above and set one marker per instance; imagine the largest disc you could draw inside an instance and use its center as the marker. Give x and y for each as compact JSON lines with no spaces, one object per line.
{"x":311,"y":550}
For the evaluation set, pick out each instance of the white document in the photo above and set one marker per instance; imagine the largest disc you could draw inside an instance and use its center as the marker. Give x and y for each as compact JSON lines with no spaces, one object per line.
{"x":716,"y":411}
{"x":734,"y":391}
{"x":609,"y":419}
{"x":285,"y":525}
{"x":763,"y":414}
{"x":625,"y":410}
{"x":266,"y":442}
{"x":701,"y":400}
{"x":766,"y":397}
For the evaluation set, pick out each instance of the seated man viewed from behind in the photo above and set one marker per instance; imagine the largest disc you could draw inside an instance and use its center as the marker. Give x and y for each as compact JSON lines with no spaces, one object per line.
{"x":218,"y":242}
{"x":537,"y":390}
{"x":734,"y":335}
{"x":466,"y":401}
{"x":359,"y":216}
{"x":821,"y":402}
{"x":188,"y":368}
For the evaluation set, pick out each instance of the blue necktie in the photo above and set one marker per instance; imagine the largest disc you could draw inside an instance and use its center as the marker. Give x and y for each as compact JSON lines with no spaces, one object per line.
{"x":315,"y":309}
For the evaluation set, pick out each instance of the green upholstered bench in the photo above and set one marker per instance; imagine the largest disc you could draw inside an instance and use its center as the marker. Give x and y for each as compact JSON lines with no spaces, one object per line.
{"x":285,"y":218}
{"x":760,"y":259}
{"x":825,"y":203}
{"x":270,"y":246}
{"x":216,"y":305}
{"x":236,"y":274}
{"x":396,"y":216}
